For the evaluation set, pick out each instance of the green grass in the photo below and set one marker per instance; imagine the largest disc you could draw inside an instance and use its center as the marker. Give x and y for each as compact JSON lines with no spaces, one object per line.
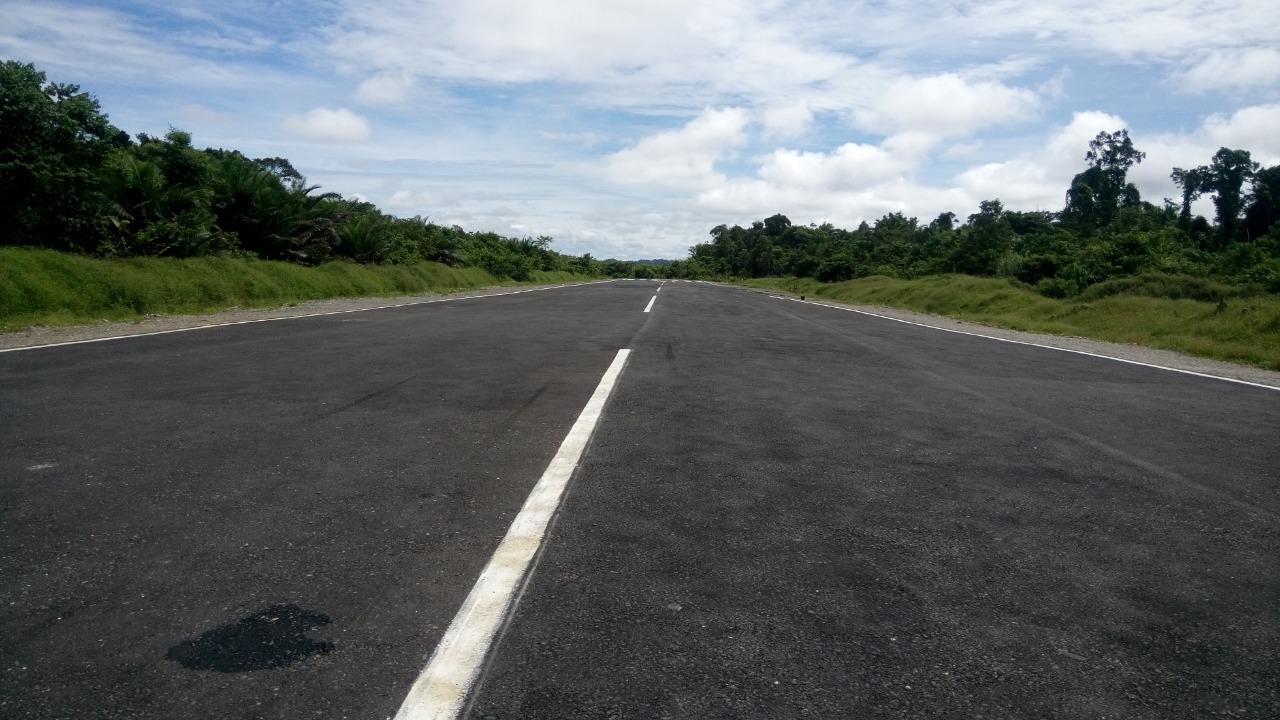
{"x":1244,"y":327}
{"x":43,"y":287}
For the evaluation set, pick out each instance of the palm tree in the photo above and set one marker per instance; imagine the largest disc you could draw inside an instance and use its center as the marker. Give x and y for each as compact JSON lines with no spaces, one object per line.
{"x":272,"y":219}
{"x":147,"y":215}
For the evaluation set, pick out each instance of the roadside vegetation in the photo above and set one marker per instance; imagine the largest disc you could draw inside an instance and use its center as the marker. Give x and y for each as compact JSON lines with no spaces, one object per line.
{"x":46,"y":287}
{"x":1184,"y":314}
{"x":1109,"y":265}
{"x":1105,"y":231}
{"x":97,"y":224}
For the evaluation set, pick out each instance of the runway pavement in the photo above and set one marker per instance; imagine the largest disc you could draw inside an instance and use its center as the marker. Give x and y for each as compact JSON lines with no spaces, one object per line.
{"x":786,"y":511}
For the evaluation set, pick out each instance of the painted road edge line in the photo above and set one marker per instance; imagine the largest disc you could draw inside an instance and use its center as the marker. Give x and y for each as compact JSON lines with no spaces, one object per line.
{"x":649,"y":307}
{"x":297,"y":317}
{"x":1039,"y":345}
{"x":441,"y":690}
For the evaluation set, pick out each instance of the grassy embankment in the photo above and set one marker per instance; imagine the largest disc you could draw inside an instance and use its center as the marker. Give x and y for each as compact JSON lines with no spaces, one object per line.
{"x":43,"y":287}
{"x":1189,"y":315}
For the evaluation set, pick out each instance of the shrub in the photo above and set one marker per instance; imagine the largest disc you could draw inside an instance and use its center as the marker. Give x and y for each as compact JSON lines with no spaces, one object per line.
{"x":1172,"y":287}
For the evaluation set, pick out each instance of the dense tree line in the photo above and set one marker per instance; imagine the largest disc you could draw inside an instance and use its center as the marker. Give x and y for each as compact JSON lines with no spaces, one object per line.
{"x":1104,"y":231}
{"x":71,"y":181}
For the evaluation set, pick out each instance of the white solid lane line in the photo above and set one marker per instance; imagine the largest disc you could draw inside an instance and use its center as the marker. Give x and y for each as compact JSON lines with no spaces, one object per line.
{"x":649,"y":307}
{"x":441,"y":691}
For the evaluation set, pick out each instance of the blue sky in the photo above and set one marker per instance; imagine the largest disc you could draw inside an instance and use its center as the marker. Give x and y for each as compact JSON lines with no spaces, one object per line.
{"x":630,"y":128}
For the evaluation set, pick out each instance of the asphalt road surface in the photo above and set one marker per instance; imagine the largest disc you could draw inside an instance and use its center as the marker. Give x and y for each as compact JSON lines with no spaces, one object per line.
{"x":786,"y":511}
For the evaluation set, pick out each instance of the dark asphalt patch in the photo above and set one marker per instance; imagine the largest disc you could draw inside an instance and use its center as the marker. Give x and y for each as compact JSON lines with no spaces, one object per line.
{"x":272,"y":638}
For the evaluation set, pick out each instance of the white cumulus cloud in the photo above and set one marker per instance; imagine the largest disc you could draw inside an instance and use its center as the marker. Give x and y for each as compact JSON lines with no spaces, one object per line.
{"x":852,"y":166}
{"x":1235,"y":67}
{"x":1250,"y":128}
{"x":385,"y":89}
{"x":787,"y":120}
{"x":1038,"y":179}
{"x":945,"y":105}
{"x":852,"y":183}
{"x":331,"y":126}
{"x":680,"y":158}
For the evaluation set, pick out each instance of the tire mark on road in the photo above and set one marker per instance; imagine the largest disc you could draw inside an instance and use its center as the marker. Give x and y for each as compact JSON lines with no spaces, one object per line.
{"x":366,"y":398}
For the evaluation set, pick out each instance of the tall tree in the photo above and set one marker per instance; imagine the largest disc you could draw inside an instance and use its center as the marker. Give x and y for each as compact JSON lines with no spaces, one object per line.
{"x":776,"y":225}
{"x":1264,"y":202}
{"x":1097,"y":194}
{"x":1227,"y":174}
{"x":984,"y":240}
{"x":53,"y":140}
{"x":1193,"y":183}
{"x":1114,"y":154}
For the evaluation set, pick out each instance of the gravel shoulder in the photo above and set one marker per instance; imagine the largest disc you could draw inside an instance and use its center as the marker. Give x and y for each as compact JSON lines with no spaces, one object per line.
{"x":1133,"y":353}
{"x":61,"y":334}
